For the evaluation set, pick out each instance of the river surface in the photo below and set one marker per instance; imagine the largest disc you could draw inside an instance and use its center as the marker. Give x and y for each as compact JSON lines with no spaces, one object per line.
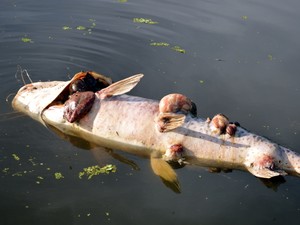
{"x":240,"y":58}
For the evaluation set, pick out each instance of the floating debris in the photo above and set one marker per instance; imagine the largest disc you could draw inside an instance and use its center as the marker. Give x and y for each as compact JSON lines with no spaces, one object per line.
{"x":144,"y":20}
{"x":5,"y":170}
{"x":17,"y":158}
{"x":26,"y":40}
{"x":270,"y":57}
{"x":201,"y":81}
{"x":165,"y":44}
{"x":178,"y":49}
{"x":160,"y":44}
{"x":58,"y":176}
{"x":80,"y":28}
{"x":93,"y":21}
{"x":244,"y":17}
{"x":96,"y":170}
{"x":66,"y":28}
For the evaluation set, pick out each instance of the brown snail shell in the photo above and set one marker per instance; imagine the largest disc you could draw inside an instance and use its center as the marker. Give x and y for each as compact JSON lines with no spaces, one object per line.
{"x":174,"y":103}
{"x":220,"y":122}
{"x":231,"y":129}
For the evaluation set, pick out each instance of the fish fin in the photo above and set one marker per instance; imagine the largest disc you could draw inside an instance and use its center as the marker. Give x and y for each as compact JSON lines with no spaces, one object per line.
{"x":162,"y":169}
{"x":120,"y":87}
{"x":263,"y":172}
{"x":170,"y":121}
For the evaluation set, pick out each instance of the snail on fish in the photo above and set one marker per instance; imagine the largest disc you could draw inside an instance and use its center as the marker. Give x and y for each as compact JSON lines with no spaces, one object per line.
{"x":172,"y":111}
{"x":177,"y":103}
{"x":221,"y":125}
{"x":82,"y":94}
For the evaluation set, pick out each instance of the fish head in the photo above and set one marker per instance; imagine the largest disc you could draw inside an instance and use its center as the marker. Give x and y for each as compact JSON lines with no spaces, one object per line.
{"x":32,"y":99}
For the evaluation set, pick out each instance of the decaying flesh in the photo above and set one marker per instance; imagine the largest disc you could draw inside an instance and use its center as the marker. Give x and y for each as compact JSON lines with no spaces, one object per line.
{"x":136,"y":125}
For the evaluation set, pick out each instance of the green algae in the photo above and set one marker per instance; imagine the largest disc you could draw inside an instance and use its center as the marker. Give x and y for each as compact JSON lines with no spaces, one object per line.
{"x":80,"y":28}
{"x":96,"y":170}
{"x":27,"y":40}
{"x":58,"y":175}
{"x":175,"y":48}
{"x":144,"y":20}
{"x":66,"y":28}
{"x":160,"y":44}
{"x":178,"y":49}
{"x":16,"y":157}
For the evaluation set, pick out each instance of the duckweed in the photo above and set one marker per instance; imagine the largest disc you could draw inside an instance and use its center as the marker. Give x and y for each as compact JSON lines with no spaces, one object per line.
{"x":17,"y":158}
{"x":58,"y":176}
{"x":178,"y":49}
{"x":144,"y":20}
{"x":163,"y":44}
{"x":26,"y":40}
{"x":96,"y":170}
{"x":66,"y":28}
{"x":80,"y":28}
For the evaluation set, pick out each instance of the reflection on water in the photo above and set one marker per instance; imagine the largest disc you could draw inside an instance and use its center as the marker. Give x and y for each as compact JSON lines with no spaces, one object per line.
{"x":239,"y":58}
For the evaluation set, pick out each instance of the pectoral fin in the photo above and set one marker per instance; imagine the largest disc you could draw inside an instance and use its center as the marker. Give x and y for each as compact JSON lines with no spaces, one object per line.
{"x":170,"y":121}
{"x":162,"y":169}
{"x":262,"y":172}
{"x":120,"y":87}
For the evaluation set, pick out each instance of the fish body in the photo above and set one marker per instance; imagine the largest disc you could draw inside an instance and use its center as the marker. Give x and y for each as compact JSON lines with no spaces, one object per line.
{"x":130,"y":123}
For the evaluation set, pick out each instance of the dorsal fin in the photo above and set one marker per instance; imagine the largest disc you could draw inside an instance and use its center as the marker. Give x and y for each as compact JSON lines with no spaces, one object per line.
{"x":170,"y":121}
{"x":120,"y":87}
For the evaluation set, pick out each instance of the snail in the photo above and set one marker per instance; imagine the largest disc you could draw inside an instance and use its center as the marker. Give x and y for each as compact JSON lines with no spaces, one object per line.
{"x":87,"y":83}
{"x":219,"y":123}
{"x":177,"y":103}
{"x":231,"y":129}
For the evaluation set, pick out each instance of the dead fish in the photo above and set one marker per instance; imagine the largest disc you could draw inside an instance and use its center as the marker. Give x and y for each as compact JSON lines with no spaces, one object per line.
{"x":130,"y":123}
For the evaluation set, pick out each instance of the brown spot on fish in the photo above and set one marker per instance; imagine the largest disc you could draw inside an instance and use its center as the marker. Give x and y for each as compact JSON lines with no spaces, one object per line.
{"x":174,"y":154}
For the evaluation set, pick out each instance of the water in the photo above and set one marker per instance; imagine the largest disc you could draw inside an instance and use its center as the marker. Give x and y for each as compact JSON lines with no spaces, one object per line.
{"x":241,"y":59}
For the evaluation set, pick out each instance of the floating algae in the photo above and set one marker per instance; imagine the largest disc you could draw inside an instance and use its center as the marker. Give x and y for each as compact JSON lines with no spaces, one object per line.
{"x":144,"y":20}
{"x":58,"y":176}
{"x":96,"y":170}
{"x":26,"y":40}
{"x":160,"y":44}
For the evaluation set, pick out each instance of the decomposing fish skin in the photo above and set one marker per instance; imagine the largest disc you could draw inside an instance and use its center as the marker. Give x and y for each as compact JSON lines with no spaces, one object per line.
{"x":138,"y":125}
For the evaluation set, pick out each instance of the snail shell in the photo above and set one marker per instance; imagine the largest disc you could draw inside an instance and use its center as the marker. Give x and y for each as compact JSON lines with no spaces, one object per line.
{"x":231,"y":129}
{"x":174,"y":103}
{"x":219,"y":123}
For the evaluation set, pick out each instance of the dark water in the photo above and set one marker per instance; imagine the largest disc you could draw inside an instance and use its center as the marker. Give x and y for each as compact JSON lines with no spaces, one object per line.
{"x":241,"y":58}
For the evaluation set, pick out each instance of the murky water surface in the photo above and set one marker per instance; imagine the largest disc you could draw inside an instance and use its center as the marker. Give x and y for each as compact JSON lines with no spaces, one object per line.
{"x":240,"y":58}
